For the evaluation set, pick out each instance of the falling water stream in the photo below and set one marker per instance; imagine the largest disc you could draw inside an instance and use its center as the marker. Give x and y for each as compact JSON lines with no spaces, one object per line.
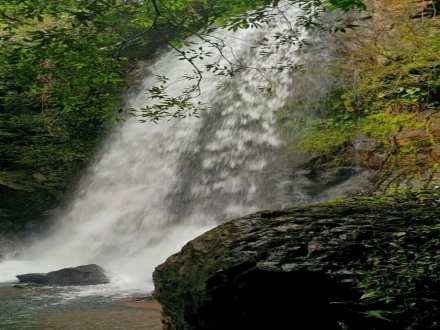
{"x":154,"y":187}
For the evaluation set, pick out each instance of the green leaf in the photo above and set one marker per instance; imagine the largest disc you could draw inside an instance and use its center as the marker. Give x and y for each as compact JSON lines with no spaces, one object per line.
{"x":376,"y":314}
{"x":368,"y":294}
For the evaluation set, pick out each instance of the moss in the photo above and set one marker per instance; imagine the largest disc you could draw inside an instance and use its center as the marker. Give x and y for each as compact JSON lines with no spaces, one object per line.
{"x":327,"y":139}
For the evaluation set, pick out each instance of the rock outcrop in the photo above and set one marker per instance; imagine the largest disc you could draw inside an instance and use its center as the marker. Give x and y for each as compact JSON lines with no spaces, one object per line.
{"x":291,"y":267}
{"x":81,"y":275}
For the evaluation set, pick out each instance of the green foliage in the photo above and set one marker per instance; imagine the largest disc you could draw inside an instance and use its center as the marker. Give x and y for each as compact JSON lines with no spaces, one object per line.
{"x":401,"y":77}
{"x":325,"y":135}
{"x":53,"y":144}
{"x":399,"y":283}
{"x":346,"y":5}
{"x":40,"y":154}
{"x":393,"y":196}
{"x":66,"y":55}
{"x":399,"y":279}
{"x":399,"y":286}
{"x":383,"y":90}
{"x":381,"y":125}
{"x":54,"y":57}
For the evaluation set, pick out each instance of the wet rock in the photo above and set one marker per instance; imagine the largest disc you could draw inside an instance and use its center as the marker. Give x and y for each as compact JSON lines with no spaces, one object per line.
{"x":322,"y":184}
{"x":81,"y":275}
{"x":289,"y":267}
{"x":333,"y":176}
{"x":146,"y":298}
{"x":37,"y":278}
{"x":368,"y":151}
{"x":365,"y":143}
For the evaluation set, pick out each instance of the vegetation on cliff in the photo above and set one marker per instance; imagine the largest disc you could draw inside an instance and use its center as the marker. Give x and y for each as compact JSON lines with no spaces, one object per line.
{"x":390,"y":93}
{"x":388,"y":85}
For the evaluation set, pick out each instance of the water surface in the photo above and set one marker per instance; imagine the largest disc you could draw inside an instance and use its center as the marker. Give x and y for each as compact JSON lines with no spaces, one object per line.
{"x":46,"y":308}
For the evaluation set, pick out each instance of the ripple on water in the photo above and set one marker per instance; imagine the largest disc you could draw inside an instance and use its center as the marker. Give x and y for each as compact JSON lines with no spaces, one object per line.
{"x":45,"y":308}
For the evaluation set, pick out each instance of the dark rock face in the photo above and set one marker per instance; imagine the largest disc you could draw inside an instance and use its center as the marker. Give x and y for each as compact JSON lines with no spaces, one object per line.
{"x":81,"y":275}
{"x":274,"y":269}
{"x":316,"y":185}
{"x":37,"y":278}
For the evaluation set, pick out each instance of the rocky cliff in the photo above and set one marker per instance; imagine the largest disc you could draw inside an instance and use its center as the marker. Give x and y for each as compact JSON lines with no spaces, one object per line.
{"x":384,"y":114}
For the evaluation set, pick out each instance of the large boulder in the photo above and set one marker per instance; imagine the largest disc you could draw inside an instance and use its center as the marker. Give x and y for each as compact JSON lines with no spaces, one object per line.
{"x":297,"y":267}
{"x":81,"y":275}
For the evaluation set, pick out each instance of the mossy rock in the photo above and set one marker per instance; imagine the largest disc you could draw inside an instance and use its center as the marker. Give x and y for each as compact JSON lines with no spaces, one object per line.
{"x":308,"y":265}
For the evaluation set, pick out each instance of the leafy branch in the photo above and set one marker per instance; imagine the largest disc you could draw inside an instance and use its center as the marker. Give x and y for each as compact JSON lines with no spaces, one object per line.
{"x":91,"y":37}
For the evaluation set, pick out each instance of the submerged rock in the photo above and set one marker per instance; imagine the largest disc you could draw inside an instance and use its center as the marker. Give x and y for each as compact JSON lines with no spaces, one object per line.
{"x":81,"y":275}
{"x":291,"y":267}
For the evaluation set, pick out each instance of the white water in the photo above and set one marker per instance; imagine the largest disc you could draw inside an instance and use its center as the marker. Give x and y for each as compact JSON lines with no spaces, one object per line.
{"x":156,"y":186}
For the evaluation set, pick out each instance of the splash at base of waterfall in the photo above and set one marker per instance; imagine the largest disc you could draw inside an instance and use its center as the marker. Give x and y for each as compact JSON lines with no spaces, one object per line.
{"x":127,"y":277}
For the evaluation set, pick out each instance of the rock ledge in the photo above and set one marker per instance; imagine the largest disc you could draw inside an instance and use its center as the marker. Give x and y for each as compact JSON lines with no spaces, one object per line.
{"x":82,"y":275}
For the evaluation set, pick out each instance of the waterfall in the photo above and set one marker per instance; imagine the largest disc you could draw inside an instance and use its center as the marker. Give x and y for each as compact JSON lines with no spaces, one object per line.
{"x":154,"y":186}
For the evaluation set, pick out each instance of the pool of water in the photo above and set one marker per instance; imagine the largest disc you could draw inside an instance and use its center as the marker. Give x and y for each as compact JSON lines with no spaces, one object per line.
{"x":68,"y":308}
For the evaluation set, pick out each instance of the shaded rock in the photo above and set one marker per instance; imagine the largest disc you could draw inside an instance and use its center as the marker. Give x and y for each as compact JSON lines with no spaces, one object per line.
{"x":13,"y":195}
{"x":332,"y":176}
{"x":276,"y":268}
{"x":81,"y":275}
{"x":322,"y":184}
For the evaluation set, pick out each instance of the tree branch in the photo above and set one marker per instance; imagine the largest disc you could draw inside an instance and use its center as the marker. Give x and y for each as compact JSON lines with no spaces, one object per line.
{"x":3,"y":14}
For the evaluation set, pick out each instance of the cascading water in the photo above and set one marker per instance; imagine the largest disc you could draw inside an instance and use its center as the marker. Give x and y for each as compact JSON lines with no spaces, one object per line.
{"x":156,"y":186}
